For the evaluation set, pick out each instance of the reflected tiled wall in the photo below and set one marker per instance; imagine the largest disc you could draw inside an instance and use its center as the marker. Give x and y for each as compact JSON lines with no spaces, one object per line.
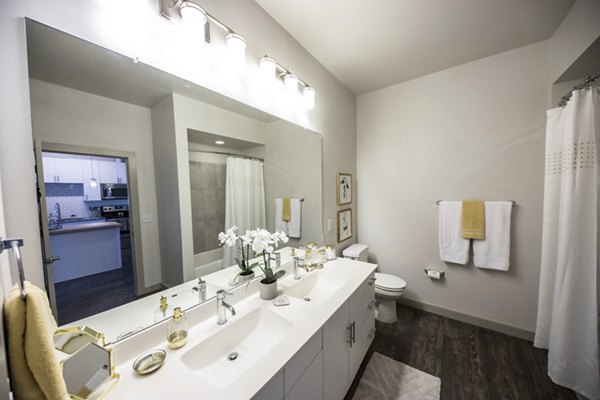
{"x":208,"y":204}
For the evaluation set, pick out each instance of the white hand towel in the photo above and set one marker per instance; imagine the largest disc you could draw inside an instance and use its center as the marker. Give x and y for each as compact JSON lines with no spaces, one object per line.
{"x":295,"y":223}
{"x":453,"y":247}
{"x":280,"y":224}
{"x":494,"y":251}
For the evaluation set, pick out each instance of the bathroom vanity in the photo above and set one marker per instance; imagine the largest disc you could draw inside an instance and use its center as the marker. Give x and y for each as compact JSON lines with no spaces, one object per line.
{"x":311,"y":348}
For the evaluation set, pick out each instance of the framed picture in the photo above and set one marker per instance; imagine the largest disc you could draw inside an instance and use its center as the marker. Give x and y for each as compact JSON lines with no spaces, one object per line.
{"x":344,"y":189}
{"x":344,"y":223}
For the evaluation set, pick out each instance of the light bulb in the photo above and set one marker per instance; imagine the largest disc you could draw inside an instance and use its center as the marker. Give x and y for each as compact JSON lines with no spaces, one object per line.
{"x":193,"y":18}
{"x":308,"y":96}
{"x":236,"y":45}
{"x":291,"y":83}
{"x":268,"y":67}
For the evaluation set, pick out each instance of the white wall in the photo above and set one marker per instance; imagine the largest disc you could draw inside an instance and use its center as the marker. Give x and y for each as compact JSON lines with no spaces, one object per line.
{"x":159,"y":43}
{"x":66,"y":116}
{"x":475,"y":131}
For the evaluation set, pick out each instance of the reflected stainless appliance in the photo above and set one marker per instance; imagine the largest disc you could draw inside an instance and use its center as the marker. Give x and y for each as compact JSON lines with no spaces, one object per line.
{"x":113,"y":191}
{"x":118,"y":214}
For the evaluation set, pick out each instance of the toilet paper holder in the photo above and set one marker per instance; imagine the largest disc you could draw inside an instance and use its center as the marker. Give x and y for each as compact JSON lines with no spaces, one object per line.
{"x":433,"y":274}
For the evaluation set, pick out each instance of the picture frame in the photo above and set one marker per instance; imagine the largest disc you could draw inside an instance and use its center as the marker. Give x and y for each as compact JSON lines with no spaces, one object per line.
{"x":344,"y":224}
{"x":344,"y":188}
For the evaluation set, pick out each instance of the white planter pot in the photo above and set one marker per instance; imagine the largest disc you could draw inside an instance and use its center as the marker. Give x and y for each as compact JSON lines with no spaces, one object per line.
{"x":268,"y":291}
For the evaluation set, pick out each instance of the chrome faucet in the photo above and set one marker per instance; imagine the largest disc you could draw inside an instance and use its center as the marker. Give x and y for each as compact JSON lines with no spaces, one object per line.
{"x":222,"y":306}
{"x":277,"y":258}
{"x":297,"y":267}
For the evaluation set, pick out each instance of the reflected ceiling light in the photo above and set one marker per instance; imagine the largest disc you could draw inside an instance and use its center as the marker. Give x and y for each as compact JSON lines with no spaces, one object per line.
{"x":219,"y":142}
{"x":236,"y":46}
{"x":308,"y":96}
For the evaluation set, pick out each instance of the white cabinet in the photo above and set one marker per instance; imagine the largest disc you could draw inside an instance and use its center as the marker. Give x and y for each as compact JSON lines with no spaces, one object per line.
{"x":326,"y":365}
{"x":91,"y":180}
{"x":310,"y":384}
{"x":113,"y":171}
{"x":62,"y":170}
{"x":347,"y":336}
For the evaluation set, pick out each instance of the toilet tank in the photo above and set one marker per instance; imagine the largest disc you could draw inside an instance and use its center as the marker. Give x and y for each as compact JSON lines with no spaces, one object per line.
{"x":356,"y":252}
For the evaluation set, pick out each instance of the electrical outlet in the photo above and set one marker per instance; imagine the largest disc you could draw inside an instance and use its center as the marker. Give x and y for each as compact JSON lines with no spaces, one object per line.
{"x":146,"y":218}
{"x":329,"y":225}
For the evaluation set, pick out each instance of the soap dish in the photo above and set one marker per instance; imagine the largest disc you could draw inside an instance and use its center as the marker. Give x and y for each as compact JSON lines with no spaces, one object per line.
{"x":149,"y":362}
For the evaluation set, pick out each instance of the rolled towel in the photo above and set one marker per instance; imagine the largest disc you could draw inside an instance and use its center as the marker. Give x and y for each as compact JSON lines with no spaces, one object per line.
{"x":473,"y":219}
{"x":453,"y":247}
{"x":494,"y":251}
{"x":286,"y":210}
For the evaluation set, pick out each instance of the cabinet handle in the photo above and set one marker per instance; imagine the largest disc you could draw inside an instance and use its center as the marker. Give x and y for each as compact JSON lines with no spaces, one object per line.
{"x":353,"y":331}
{"x":371,"y":281}
{"x":349,"y":327}
{"x":372,"y":305}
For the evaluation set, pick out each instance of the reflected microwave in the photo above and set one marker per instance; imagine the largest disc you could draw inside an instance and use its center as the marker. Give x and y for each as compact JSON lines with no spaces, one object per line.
{"x":113,"y":191}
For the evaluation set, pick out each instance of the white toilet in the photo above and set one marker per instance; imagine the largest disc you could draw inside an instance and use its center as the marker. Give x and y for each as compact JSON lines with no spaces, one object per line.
{"x":388,"y":288}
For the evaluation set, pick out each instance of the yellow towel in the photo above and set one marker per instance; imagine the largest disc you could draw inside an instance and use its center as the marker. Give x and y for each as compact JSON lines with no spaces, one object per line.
{"x":473,"y":219}
{"x":286,"y":209}
{"x":34,"y":370}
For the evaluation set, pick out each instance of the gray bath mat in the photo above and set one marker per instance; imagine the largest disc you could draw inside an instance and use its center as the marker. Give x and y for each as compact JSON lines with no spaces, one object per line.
{"x":387,"y":379}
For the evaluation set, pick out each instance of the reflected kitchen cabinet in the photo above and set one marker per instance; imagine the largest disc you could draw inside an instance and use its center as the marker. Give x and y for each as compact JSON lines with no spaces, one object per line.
{"x":113,"y":171}
{"x":62,"y":170}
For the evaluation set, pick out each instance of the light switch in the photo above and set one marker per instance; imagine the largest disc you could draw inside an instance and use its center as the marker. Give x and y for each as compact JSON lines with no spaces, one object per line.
{"x":329,"y":225}
{"x":146,"y":218}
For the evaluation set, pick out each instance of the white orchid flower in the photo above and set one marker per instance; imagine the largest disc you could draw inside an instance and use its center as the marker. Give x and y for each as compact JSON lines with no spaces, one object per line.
{"x":229,"y":237}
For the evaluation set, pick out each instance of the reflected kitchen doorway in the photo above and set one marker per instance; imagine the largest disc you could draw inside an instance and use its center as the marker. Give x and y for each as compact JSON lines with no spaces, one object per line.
{"x":84,"y":204}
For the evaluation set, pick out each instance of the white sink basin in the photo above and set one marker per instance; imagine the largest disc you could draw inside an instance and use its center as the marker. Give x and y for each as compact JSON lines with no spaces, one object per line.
{"x":251,"y":337}
{"x":316,"y":286}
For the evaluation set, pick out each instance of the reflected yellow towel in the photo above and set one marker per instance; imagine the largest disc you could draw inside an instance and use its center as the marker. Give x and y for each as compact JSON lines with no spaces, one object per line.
{"x":473,"y":219}
{"x":286,"y":210}
{"x":34,"y":370}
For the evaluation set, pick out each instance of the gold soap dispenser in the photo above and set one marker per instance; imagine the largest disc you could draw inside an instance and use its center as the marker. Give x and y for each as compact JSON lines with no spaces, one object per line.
{"x":163,"y":311}
{"x":177,"y":334}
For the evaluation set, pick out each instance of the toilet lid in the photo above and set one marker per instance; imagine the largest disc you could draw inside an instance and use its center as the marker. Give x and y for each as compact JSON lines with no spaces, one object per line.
{"x":389,"y":282}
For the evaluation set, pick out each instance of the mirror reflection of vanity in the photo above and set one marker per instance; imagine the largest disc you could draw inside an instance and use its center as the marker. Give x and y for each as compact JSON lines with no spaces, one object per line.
{"x":86,"y":97}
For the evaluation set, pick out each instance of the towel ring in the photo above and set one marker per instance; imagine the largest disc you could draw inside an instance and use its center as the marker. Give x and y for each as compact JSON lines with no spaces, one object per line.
{"x":14,"y":244}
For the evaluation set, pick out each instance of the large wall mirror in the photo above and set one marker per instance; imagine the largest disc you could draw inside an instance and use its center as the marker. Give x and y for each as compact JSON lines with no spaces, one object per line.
{"x":134,"y":181}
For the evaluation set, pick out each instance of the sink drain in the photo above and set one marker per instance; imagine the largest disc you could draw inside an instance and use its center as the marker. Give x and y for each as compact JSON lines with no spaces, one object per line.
{"x":307,"y":299}
{"x":233,"y":356}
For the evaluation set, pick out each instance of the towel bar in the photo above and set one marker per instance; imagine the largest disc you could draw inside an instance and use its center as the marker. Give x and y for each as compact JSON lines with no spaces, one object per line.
{"x":14,"y":244}
{"x":437,"y":202}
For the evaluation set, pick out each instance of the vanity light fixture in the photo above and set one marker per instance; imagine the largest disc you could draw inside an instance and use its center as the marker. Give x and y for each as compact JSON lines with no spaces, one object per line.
{"x":271,"y":69}
{"x":196,"y":19}
{"x":219,"y":142}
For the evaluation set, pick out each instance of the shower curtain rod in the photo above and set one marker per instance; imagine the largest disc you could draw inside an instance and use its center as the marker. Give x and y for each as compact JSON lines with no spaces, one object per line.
{"x":222,"y":153}
{"x":586,"y":83}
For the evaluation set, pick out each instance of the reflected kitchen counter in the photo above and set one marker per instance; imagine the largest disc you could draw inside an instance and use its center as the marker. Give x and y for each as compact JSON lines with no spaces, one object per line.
{"x":98,"y":243}
{"x":82,"y":227}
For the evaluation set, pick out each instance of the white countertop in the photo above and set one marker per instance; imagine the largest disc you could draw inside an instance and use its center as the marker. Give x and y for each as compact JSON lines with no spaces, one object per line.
{"x":83,"y":227}
{"x":176,"y":381}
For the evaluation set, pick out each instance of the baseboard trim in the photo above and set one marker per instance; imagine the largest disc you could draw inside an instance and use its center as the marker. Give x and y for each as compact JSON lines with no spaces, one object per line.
{"x":470,"y":319}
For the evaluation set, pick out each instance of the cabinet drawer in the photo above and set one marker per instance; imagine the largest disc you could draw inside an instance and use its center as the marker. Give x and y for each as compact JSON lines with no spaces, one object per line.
{"x":294,"y":369}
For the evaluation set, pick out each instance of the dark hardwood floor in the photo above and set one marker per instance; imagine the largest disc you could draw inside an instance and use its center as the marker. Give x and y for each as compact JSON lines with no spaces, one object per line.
{"x":82,"y":297}
{"x":472,"y":362}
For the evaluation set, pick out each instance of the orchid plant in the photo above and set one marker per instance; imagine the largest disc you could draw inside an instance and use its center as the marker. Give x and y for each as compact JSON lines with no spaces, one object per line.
{"x":230,"y":238}
{"x":262,"y":243}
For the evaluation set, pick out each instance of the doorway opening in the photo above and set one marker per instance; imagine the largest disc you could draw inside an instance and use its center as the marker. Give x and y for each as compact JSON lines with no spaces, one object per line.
{"x":85,"y":224}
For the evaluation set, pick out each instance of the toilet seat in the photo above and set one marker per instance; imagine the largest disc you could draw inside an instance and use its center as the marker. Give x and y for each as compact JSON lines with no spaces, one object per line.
{"x":389,"y":283}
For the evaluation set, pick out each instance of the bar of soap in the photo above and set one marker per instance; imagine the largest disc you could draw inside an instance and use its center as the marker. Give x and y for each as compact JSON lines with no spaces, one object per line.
{"x":281,"y":301}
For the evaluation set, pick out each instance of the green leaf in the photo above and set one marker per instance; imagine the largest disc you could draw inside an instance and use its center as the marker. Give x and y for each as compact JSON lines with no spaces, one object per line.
{"x":279,"y":274}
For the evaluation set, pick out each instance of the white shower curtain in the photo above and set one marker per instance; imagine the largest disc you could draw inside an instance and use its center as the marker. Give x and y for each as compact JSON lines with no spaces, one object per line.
{"x":567,"y":321}
{"x":244,"y":200}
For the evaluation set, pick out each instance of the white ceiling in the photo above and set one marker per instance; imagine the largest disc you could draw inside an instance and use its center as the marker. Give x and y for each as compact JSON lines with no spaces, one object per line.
{"x":369,"y":45}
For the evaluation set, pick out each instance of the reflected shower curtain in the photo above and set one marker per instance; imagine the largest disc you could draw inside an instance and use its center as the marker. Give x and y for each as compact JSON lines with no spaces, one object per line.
{"x":567,"y":321}
{"x":244,"y":200}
